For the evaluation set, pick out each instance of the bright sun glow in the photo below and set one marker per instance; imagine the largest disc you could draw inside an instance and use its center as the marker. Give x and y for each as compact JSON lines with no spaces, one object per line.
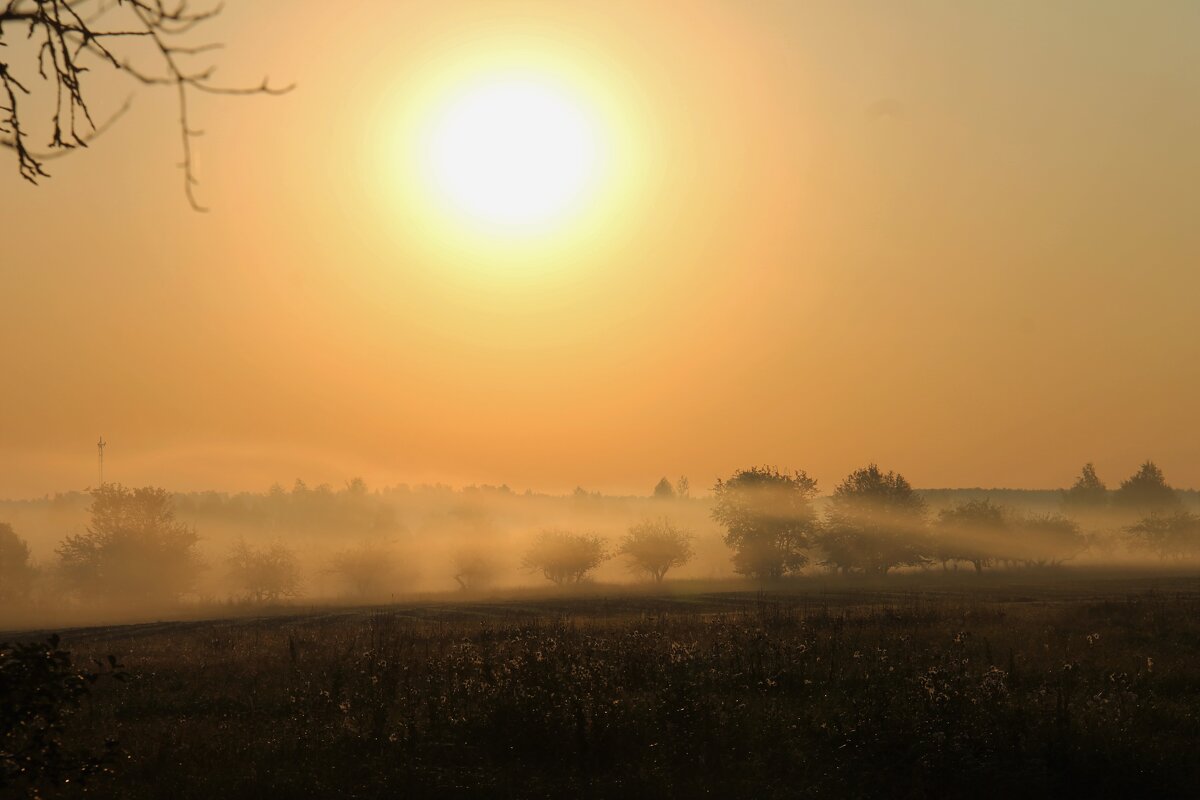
{"x":514,"y":153}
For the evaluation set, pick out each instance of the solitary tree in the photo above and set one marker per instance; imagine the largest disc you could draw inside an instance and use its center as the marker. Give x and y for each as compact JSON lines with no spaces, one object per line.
{"x":367,"y":569}
{"x":48,"y":47}
{"x":564,"y":557}
{"x":683,"y":487}
{"x":1147,"y":491}
{"x":655,"y":546}
{"x":663,"y":490}
{"x":1168,"y":535}
{"x":876,"y":522}
{"x":264,"y":574}
{"x":134,"y":550}
{"x":976,"y":531}
{"x":1047,"y":540}
{"x":473,"y":570}
{"x":1088,"y":492}
{"x":769,"y":520}
{"x":15,"y":570}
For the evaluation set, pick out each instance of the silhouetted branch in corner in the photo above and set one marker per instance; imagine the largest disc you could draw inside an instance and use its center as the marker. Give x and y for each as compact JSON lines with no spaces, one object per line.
{"x":71,"y":37}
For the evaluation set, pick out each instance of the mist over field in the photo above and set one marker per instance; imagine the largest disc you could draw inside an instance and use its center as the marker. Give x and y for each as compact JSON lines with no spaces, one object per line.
{"x":527,"y":399}
{"x":250,"y":552}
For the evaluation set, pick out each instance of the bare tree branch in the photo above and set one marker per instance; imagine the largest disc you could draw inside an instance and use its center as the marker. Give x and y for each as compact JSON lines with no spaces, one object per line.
{"x":68,"y":36}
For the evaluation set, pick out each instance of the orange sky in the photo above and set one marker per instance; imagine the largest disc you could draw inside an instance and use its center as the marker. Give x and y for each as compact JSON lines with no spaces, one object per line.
{"x":956,"y":239}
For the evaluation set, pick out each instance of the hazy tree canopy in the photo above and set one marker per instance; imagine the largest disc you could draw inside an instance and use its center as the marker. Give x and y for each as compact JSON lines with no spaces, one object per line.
{"x":664,"y":490}
{"x":683,"y":487}
{"x":768,"y":519}
{"x":1147,"y":491}
{"x":367,"y":570}
{"x":1088,"y":491}
{"x":351,"y":510}
{"x":473,"y":570}
{"x":1175,"y":535}
{"x":876,"y":522}
{"x":15,"y":570}
{"x":976,"y":531}
{"x":1047,"y":539}
{"x":564,"y":557}
{"x":134,"y":550}
{"x":264,"y":574}
{"x":655,"y":546}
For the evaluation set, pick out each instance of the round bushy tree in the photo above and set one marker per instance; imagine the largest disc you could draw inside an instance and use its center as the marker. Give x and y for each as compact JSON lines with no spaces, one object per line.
{"x":768,"y":518}
{"x":1147,"y":491}
{"x":655,"y":546}
{"x":976,"y":531}
{"x":134,"y":551}
{"x":563,"y":556}
{"x":876,"y":522}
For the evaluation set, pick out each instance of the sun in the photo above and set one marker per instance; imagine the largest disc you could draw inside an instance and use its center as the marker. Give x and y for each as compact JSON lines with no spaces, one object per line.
{"x":513,"y":153}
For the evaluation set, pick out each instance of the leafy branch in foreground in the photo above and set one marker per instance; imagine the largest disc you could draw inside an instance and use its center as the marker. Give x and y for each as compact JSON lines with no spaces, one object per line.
{"x":41,"y":690}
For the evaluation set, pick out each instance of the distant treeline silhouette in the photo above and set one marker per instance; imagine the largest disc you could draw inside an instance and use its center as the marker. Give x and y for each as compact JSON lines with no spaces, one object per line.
{"x":139,"y":548}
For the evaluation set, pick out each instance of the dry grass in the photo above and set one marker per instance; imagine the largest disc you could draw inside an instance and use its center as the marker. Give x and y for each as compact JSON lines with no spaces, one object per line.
{"x":986,"y":690}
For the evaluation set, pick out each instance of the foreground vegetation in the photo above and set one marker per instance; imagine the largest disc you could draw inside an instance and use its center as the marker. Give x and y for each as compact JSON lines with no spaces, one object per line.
{"x":1051,"y":689}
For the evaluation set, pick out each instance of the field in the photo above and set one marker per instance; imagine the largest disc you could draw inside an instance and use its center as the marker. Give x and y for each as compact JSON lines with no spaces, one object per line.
{"x":1079,"y":684}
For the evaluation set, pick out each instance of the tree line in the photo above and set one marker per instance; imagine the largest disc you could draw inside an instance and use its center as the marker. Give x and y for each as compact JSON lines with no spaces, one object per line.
{"x":876,"y":522}
{"x":135,"y":551}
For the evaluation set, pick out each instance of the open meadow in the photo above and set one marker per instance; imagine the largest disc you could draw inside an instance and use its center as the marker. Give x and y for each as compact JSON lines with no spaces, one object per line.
{"x":1070,"y":684}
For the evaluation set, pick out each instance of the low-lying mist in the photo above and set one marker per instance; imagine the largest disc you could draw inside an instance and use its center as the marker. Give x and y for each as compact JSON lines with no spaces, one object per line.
{"x":122,"y":554}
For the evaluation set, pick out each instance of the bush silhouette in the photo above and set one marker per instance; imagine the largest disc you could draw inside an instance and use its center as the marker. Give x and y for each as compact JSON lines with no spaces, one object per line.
{"x":976,"y":531}
{"x":1047,"y":540}
{"x":473,"y":570}
{"x":264,"y":574}
{"x":40,"y":691}
{"x":1146,"y":491}
{"x":133,"y":552}
{"x":366,"y":570}
{"x":1174,"y":535}
{"x":1088,"y":492}
{"x":15,"y":569}
{"x":564,"y":557}
{"x":655,"y":546}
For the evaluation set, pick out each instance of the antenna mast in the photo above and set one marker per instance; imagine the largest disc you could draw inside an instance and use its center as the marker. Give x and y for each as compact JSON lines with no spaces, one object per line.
{"x":100,"y":449}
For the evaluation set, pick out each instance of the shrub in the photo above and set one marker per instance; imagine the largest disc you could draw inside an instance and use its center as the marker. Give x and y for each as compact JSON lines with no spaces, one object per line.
{"x":40,"y":691}
{"x":134,"y":550}
{"x":366,"y":570}
{"x":655,"y":546}
{"x":15,"y":569}
{"x":564,"y":557}
{"x":264,"y":574}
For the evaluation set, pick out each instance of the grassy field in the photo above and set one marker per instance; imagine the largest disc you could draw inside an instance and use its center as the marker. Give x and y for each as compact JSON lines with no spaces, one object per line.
{"x":1065,"y":685}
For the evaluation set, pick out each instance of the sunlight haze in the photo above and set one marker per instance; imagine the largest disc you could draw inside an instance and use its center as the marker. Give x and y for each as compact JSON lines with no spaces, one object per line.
{"x":958,"y":239}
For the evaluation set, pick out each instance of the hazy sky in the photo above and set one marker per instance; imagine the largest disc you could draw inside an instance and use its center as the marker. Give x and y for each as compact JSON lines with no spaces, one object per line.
{"x":958,"y":239}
